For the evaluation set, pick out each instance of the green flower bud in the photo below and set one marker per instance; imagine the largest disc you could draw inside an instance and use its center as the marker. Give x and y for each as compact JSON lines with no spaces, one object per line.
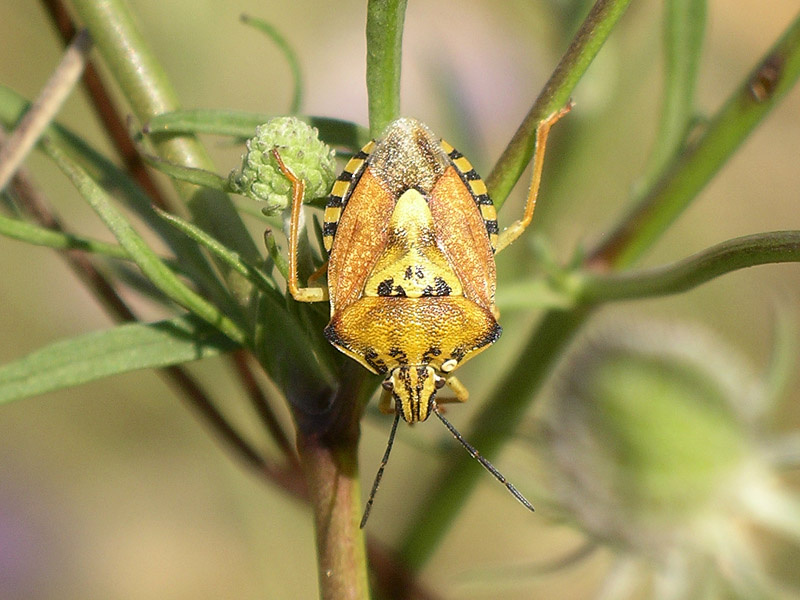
{"x":301,"y":150}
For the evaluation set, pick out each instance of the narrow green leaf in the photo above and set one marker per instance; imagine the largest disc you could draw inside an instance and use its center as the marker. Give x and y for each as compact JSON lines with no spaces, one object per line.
{"x":228,"y":256}
{"x":189,"y":174}
{"x":289,"y":54}
{"x":532,"y":294}
{"x":275,"y":254}
{"x":41,"y":236}
{"x":191,"y":258}
{"x":96,"y":355}
{"x":147,"y":260}
{"x":334,"y":132}
{"x":684,"y":29}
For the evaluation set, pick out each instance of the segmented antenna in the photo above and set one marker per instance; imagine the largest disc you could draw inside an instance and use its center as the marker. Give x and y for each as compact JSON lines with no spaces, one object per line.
{"x":486,"y":464}
{"x":379,"y":475}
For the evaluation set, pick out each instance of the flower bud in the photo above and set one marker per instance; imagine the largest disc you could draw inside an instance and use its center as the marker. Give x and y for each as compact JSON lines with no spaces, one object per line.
{"x":301,"y":150}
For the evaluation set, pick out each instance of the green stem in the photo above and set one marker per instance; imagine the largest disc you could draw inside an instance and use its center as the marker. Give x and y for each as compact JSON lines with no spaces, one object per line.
{"x":739,"y":253}
{"x":328,"y":451}
{"x":503,"y":410}
{"x":556,"y":93}
{"x":684,"y":29}
{"x":497,"y":420}
{"x":332,"y":478}
{"x":384,"y":56}
{"x":668,"y":197}
{"x":149,"y":92}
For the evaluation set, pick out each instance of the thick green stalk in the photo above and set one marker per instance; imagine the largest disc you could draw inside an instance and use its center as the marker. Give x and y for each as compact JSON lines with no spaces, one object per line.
{"x":497,"y":421}
{"x":327,"y":444}
{"x":384,"y":55}
{"x":668,"y":197}
{"x":683,"y":275}
{"x":584,"y":47}
{"x":332,"y":480}
{"x":502,"y":412}
{"x":146,"y":87}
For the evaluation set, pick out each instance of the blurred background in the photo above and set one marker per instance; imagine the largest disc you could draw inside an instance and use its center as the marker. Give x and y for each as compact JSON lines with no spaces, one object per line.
{"x":115,"y":490}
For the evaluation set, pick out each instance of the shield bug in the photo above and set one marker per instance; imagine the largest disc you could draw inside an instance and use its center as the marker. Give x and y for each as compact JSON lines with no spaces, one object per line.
{"x":411,"y":234}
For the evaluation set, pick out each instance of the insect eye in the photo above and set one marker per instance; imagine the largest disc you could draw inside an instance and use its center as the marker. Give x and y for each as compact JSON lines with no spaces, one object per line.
{"x":440,"y":381}
{"x":387,"y":385}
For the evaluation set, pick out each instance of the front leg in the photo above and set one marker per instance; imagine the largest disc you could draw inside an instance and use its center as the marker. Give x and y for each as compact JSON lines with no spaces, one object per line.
{"x":301,"y":294}
{"x":459,"y":389}
{"x":513,"y":231}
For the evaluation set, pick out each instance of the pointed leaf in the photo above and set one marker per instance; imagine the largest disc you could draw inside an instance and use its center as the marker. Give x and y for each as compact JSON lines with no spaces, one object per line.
{"x":96,"y":355}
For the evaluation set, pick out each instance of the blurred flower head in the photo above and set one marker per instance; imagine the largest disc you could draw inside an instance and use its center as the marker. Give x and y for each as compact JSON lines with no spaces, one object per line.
{"x":655,"y":445}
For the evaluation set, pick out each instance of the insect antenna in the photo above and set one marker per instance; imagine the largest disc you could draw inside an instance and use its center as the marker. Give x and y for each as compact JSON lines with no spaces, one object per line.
{"x":486,"y":464}
{"x":379,"y":474}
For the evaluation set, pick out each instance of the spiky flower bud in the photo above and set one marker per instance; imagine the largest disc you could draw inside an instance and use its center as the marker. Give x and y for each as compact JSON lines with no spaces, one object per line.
{"x":301,"y":151}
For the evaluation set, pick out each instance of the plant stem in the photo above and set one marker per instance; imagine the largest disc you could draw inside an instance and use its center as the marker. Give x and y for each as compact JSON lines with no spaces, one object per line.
{"x":149,"y":92}
{"x":55,"y":92}
{"x":328,"y":451}
{"x":384,"y":53}
{"x":739,"y":253}
{"x":661,"y":204}
{"x":584,"y":47}
{"x":684,"y":29}
{"x":497,"y":420}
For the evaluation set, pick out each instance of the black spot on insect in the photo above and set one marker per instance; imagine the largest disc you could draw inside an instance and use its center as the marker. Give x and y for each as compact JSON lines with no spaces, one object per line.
{"x":455,"y":154}
{"x":483,"y":199}
{"x":399,"y":355}
{"x":427,"y":291}
{"x":441,"y":287}
{"x":490,"y":338}
{"x":471,"y":175}
{"x":408,"y":273}
{"x":399,"y":291}
{"x":385,"y":287}
{"x":372,"y":359}
{"x":491,"y":226}
{"x":419,"y":272}
{"x":334,"y":201}
{"x":329,"y":228}
{"x":430,"y":353}
{"x":345,"y":176}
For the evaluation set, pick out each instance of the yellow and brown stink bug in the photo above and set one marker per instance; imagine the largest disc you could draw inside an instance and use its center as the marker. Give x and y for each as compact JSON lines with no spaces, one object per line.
{"x":411,"y":234}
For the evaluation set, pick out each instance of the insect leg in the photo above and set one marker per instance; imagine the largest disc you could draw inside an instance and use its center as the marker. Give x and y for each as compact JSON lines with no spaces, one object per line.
{"x":386,"y":403}
{"x":301,"y":294}
{"x":459,"y":389}
{"x":542,"y":130}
